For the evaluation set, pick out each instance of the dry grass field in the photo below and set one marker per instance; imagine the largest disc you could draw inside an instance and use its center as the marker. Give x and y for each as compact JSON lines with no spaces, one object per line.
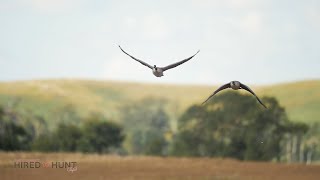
{"x":108,"y":167}
{"x":48,"y":97}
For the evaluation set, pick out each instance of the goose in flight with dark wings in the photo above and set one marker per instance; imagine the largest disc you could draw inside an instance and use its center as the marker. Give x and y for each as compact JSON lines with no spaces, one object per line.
{"x":235,"y":85}
{"x":158,"y":71}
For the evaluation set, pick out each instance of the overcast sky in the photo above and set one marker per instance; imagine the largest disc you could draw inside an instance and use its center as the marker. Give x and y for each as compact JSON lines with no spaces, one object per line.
{"x":257,"y":42}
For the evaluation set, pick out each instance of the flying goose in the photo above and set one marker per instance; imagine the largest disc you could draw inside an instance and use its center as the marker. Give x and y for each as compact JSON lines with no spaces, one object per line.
{"x":158,"y":71}
{"x":235,"y":85}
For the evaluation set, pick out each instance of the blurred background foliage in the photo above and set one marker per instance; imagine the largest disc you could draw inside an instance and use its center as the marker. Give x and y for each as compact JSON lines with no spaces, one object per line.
{"x":232,"y":124}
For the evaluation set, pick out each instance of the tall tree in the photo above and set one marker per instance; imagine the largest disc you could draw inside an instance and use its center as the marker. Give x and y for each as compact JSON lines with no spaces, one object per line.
{"x":232,"y":125}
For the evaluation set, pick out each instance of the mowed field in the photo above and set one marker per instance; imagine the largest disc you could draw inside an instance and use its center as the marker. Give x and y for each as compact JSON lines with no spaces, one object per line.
{"x":109,"y":167}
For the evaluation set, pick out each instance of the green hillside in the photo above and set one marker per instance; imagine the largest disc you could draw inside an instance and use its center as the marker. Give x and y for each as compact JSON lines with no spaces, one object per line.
{"x":301,"y":99}
{"x":47,"y":97}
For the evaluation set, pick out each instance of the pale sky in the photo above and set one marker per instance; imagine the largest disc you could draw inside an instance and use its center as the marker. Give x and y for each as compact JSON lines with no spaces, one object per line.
{"x":253,"y":41}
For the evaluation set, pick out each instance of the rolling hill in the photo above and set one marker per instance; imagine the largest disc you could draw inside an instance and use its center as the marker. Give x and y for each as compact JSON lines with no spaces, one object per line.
{"x":47,"y":97}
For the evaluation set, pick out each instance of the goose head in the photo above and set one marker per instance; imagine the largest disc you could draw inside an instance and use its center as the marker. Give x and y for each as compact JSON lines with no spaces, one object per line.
{"x":155,"y":67}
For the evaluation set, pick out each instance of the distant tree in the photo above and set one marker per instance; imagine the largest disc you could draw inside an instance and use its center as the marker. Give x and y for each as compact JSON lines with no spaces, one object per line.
{"x":155,"y":143}
{"x":13,"y":136}
{"x":145,"y":124}
{"x":100,"y":135}
{"x":297,"y":142}
{"x":311,"y":144}
{"x":232,"y":125}
{"x":147,"y":113}
{"x":147,"y":142}
{"x":67,"y":137}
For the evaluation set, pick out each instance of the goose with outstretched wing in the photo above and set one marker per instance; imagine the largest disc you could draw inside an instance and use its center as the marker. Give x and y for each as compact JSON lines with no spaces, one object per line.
{"x":235,"y":85}
{"x":158,"y":71}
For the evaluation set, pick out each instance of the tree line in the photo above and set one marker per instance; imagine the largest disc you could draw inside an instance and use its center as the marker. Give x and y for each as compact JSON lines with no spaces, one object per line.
{"x":230,"y":125}
{"x":95,"y":134}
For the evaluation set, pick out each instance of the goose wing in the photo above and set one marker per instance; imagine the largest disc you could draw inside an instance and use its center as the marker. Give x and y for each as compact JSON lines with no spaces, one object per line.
{"x":243,"y":86}
{"x":178,"y":63}
{"x":216,"y":91}
{"x":143,"y":63}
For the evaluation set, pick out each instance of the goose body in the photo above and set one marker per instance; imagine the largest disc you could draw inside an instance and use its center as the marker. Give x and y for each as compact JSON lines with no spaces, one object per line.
{"x":235,"y":85}
{"x":158,"y":71}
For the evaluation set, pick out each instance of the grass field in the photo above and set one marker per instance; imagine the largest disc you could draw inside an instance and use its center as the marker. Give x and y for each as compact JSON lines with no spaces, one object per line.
{"x":130,"y":168}
{"x":48,"y":97}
